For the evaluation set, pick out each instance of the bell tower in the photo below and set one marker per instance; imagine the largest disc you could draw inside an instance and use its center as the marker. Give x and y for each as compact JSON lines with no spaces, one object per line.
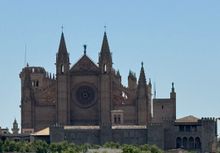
{"x":27,"y":100}
{"x":143,"y":104}
{"x":62,"y":78}
{"x":105,"y":65}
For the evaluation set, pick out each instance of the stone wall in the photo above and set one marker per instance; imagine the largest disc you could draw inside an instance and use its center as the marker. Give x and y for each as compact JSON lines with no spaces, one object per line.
{"x":130,"y":136}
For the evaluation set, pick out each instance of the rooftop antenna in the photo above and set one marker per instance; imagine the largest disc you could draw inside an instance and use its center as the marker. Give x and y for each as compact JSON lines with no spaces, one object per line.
{"x":25,"y":55}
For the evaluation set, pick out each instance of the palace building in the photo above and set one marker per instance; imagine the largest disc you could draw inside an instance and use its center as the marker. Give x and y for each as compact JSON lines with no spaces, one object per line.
{"x":87,"y":103}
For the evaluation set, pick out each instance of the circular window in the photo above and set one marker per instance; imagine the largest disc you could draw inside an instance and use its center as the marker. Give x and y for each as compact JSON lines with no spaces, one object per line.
{"x":85,"y":95}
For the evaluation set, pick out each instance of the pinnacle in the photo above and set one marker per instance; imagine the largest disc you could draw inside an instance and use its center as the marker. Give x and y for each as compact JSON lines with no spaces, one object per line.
{"x":62,"y":46}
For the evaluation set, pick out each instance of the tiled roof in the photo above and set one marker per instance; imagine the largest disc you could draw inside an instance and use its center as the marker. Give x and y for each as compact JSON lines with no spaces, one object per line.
{"x":129,"y":127}
{"x":43,"y":132}
{"x":81,"y":127}
{"x":187,"y":119}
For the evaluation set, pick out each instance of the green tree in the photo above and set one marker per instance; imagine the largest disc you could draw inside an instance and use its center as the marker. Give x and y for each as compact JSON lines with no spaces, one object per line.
{"x":1,"y":146}
{"x":40,"y":146}
{"x":130,"y":149}
{"x":155,"y":149}
{"x":113,"y":145}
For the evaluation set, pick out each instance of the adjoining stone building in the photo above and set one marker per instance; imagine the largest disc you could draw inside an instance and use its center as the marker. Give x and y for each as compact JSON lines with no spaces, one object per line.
{"x":87,"y":103}
{"x":5,"y":134}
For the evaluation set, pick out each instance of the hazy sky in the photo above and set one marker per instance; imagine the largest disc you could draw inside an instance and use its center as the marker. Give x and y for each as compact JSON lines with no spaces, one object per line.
{"x":178,"y":41}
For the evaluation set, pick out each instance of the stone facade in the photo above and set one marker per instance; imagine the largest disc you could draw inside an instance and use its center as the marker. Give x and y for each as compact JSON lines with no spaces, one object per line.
{"x":87,"y":103}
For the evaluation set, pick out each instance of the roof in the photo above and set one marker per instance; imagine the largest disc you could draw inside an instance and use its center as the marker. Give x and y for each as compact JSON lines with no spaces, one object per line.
{"x":84,"y":63}
{"x":81,"y":127}
{"x":188,"y":119}
{"x":43,"y":132}
{"x":129,"y":127}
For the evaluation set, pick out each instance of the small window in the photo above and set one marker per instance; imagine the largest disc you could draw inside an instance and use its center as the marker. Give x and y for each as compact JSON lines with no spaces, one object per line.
{"x":119,"y":119}
{"x":188,"y":128}
{"x":33,"y":84}
{"x":162,"y":107}
{"x":33,"y":70}
{"x":115,"y":119}
{"x":105,"y":68}
{"x":62,"y":69}
{"x":194,"y":128}
{"x":181,"y":128}
{"x":37,"y":83}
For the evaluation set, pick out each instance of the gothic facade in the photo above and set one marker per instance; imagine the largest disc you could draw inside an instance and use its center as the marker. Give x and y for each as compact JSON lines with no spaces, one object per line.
{"x":86,"y":102}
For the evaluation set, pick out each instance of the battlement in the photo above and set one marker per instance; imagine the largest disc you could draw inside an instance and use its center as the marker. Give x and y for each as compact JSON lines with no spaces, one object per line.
{"x":37,"y":70}
{"x":132,"y":75}
{"x":208,"y":119}
{"x":34,"y":69}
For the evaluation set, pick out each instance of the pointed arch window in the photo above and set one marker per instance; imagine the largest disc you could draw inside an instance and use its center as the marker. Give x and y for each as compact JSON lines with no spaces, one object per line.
{"x":191,"y":143}
{"x":62,"y":69}
{"x":178,"y":142}
{"x":185,"y":143}
{"x":105,"y":68}
{"x":197,"y":143}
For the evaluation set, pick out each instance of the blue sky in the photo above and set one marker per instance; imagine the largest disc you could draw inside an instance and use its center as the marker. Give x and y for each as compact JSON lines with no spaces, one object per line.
{"x":178,"y":41}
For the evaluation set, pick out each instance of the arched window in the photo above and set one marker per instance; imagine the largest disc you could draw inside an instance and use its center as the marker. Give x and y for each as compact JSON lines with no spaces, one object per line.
{"x":197,"y":143}
{"x":178,"y":142}
{"x":62,"y":69}
{"x":105,"y":68}
{"x":115,"y":119}
{"x":119,"y":119}
{"x":191,"y":143}
{"x":185,"y":143}
{"x":37,"y":83}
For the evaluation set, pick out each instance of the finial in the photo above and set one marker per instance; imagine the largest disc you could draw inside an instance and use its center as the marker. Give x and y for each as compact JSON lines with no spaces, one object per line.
{"x":27,"y":65}
{"x":62,"y":28}
{"x":84,"y":49}
{"x":105,"y":27}
{"x":173,"y":89}
{"x":25,"y":54}
{"x":142,"y":64}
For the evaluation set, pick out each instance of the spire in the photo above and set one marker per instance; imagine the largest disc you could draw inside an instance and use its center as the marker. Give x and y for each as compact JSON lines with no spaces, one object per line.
{"x":150,"y":84}
{"x":173,"y":93}
{"x":142,"y":78}
{"x":62,"y":47}
{"x":15,"y":122}
{"x":105,"y":46}
{"x":155,"y":90}
{"x":15,"y":128}
{"x":173,"y":88}
{"x":62,"y":61}
{"x":105,"y":57}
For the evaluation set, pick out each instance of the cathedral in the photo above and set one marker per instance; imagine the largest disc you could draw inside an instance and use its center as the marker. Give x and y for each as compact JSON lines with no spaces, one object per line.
{"x":87,"y":103}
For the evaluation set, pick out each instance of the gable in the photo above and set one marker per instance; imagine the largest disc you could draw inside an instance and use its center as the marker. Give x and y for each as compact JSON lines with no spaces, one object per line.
{"x":187,"y":120}
{"x":84,"y":64}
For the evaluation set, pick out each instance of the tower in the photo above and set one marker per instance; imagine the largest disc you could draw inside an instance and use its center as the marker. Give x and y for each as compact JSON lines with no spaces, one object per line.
{"x":15,"y":128}
{"x":105,"y":65}
{"x":27,"y":100}
{"x":62,"y":74}
{"x":143,"y":104}
{"x":105,"y":57}
{"x":173,"y":100}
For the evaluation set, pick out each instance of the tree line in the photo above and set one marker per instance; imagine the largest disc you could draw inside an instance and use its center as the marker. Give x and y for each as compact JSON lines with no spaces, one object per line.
{"x":65,"y":147}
